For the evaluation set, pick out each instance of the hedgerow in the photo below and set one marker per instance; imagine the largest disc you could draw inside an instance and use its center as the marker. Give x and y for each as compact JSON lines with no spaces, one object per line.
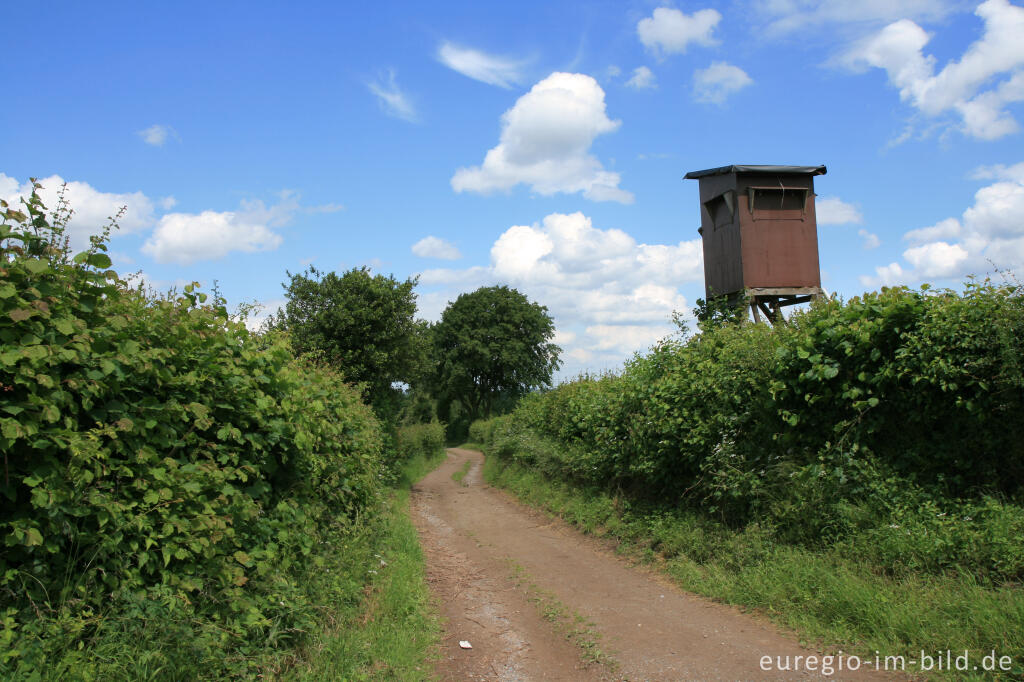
{"x":169,"y":479}
{"x":889,"y":424}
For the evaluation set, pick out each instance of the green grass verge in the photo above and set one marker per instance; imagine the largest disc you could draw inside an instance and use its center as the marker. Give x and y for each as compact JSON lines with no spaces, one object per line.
{"x":393,"y":631}
{"x":833,"y":601}
{"x":470,"y":446}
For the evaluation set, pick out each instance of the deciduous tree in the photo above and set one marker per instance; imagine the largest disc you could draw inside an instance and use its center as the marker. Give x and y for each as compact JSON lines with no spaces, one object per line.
{"x":493,"y":343}
{"x":362,"y":324}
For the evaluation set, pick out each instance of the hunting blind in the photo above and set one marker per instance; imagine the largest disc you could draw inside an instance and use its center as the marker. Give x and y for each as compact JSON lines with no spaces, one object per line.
{"x":760,"y":235}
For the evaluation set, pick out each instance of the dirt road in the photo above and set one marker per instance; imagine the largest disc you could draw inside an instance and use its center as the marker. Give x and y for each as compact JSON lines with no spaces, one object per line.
{"x":538,"y":601}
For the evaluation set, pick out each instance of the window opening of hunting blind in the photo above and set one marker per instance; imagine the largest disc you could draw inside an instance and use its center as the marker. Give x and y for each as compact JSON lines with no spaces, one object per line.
{"x":778,"y":203}
{"x":721,"y":208}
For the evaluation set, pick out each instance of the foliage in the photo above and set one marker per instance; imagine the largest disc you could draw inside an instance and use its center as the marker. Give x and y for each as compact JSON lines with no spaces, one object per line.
{"x":361,"y":324}
{"x":169,"y":479}
{"x":716,"y":311}
{"x":422,"y":440}
{"x":895,"y":411}
{"x":493,"y":344}
{"x":393,"y":631}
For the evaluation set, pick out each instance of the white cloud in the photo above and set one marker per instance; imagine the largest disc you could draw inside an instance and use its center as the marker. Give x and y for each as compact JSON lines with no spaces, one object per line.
{"x":835,"y":211}
{"x":1000,"y":172}
{"x":481,"y":66}
{"x":871,"y":240}
{"x":642,"y":79}
{"x":264,"y":311}
{"x":545,"y":143}
{"x":960,"y":86}
{"x":944,"y":229}
{"x":609,"y":295}
{"x":391,"y":99}
{"x":669,"y":31}
{"x":325,"y":208}
{"x":185,"y":238}
{"x":990,"y":233}
{"x":790,"y":16}
{"x":167,"y":203}
{"x":435,"y":247}
{"x":92,"y":209}
{"x":715,"y":83}
{"x":886,"y":276}
{"x":937,"y":259}
{"x":156,"y":135}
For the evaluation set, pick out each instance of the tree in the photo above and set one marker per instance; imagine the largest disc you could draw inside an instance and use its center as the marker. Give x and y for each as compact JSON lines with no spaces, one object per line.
{"x":493,"y":344}
{"x":360,"y":323}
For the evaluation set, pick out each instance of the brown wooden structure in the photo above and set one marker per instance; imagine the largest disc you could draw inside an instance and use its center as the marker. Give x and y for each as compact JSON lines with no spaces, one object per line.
{"x":760,"y":235}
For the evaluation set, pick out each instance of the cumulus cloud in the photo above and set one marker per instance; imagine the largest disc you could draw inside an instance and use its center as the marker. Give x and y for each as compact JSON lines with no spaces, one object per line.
{"x":969,"y":87}
{"x":486,"y":68}
{"x":835,"y":211}
{"x":184,"y":238}
{"x":609,"y":295}
{"x":545,"y":143}
{"x":435,"y":247}
{"x":92,"y":208}
{"x":392,"y":100}
{"x":157,"y":134}
{"x":642,"y":79}
{"x":791,"y":16}
{"x":669,"y":31}
{"x":871,"y":240}
{"x":988,"y":233}
{"x":715,"y":83}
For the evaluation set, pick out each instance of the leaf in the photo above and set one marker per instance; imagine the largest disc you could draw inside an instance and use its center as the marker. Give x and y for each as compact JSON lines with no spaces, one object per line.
{"x":65,"y":326}
{"x":99,"y":260}
{"x":7,"y":290}
{"x":36,"y":266}
{"x":33,"y":537}
{"x":21,"y":314}
{"x":243,"y":558}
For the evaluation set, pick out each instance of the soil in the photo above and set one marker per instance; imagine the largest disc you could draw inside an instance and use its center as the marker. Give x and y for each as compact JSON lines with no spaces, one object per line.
{"x":474,"y":537}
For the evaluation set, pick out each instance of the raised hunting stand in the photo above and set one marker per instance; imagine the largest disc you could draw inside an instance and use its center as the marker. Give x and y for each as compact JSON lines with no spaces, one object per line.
{"x":760,"y":235}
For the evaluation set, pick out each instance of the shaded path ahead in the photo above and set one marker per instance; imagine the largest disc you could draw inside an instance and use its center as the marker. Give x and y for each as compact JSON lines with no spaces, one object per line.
{"x":474,"y":536}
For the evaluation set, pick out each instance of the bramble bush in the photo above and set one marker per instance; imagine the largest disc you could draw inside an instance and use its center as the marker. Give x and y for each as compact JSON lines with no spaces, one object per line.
{"x":891,"y":420}
{"x":168,"y":477}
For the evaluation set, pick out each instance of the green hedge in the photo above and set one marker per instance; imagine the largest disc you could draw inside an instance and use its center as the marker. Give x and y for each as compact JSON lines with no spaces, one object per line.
{"x":894,"y":417}
{"x":167,"y":474}
{"x":420,"y":440}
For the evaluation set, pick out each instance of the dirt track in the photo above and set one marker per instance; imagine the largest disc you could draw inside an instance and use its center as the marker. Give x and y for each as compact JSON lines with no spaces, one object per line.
{"x":474,"y":538}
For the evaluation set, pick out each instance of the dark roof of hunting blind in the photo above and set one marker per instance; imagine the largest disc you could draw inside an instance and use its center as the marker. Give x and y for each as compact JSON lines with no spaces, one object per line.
{"x":724,"y":170}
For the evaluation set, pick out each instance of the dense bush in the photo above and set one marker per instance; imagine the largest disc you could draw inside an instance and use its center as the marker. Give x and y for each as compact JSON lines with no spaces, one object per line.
{"x":166,"y":473}
{"x":893,"y":417}
{"x":424,"y":440}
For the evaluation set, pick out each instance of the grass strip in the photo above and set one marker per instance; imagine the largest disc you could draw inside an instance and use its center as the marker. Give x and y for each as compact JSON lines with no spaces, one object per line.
{"x":461,"y":473}
{"x":566,"y":621}
{"x":834,"y":601}
{"x":393,"y":632}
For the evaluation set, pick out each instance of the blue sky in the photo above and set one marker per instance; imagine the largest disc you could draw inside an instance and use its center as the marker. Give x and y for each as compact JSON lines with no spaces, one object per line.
{"x":540,"y":145}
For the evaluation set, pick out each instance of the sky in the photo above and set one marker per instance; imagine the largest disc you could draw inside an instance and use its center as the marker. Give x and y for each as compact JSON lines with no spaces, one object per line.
{"x":540,"y":145}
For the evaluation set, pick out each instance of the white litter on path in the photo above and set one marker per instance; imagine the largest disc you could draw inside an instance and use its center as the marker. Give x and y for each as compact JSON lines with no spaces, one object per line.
{"x":465,"y":644}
